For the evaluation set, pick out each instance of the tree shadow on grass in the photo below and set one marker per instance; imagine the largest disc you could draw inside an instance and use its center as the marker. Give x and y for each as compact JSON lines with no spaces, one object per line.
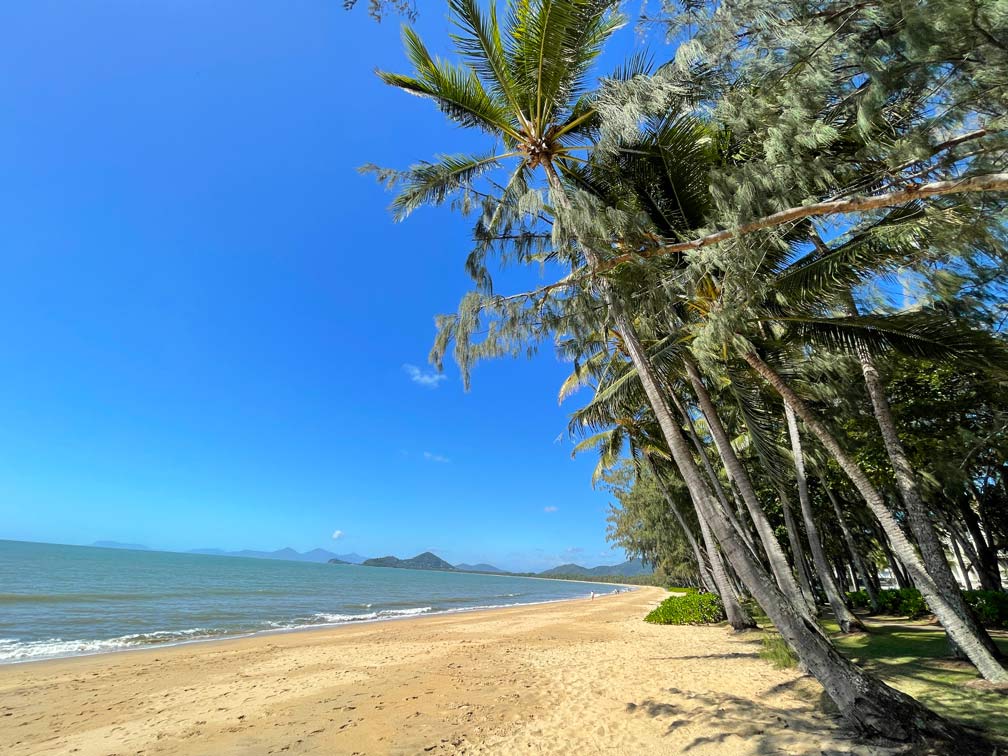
{"x":914,"y":657}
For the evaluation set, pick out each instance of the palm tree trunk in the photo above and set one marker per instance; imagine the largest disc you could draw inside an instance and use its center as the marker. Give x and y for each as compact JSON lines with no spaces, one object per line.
{"x":797,"y":552}
{"x":855,"y":553}
{"x":738,"y":617}
{"x":844,"y":617}
{"x":709,"y":469}
{"x":956,"y":627}
{"x":894,"y":566}
{"x":983,"y":556}
{"x":962,"y":565}
{"x":931,"y":549}
{"x":739,"y":476}
{"x":706,"y":578}
{"x":866,"y":702}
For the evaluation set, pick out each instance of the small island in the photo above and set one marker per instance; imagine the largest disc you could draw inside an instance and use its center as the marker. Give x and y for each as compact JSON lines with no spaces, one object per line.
{"x":424,"y":561}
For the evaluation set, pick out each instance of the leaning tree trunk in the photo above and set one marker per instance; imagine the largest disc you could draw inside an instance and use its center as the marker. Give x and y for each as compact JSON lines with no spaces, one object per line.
{"x":931,"y":549}
{"x":959,"y":560}
{"x":709,"y":469}
{"x":737,"y":473}
{"x":797,"y":552}
{"x":858,"y":562}
{"x":738,"y":617}
{"x":866,"y":702}
{"x":956,"y":627}
{"x":706,"y":577}
{"x":984,"y":555}
{"x":894,"y":566}
{"x":845,"y":618}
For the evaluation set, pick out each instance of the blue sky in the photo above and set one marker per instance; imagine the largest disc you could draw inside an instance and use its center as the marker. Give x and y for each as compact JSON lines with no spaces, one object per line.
{"x":209,"y":319}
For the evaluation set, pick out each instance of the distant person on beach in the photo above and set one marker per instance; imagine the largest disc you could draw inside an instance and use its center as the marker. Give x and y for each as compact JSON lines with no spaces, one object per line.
{"x":593,"y":595}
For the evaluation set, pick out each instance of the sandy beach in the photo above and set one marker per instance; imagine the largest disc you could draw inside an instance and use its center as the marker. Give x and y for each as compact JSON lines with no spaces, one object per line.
{"x":576,"y":677}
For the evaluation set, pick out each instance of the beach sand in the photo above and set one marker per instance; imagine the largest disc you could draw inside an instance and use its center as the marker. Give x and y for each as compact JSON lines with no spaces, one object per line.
{"x":577,"y":677}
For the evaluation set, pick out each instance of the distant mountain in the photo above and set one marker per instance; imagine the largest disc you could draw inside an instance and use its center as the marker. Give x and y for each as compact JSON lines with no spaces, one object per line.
{"x":425,"y":561}
{"x":630,"y":568}
{"x":336,"y":560}
{"x":117,"y":545}
{"x":478,"y":568}
{"x":288,"y":554}
{"x":351,"y":558}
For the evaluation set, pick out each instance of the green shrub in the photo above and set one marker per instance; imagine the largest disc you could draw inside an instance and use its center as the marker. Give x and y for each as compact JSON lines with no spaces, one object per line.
{"x":859,"y":599}
{"x":912,"y":605}
{"x":680,"y":589}
{"x":776,"y":651}
{"x":906,"y":602}
{"x":991,"y":607}
{"x":890,"y":600}
{"x":692,"y":609}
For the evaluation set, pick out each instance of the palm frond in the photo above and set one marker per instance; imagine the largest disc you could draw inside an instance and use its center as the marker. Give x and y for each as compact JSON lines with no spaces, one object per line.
{"x":481,"y":45}
{"x":456,"y":90}
{"x":434,"y":182}
{"x":923,"y":334}
{"x":878,"y":250}
{"x":550,"y":44}
{"x":761,"y":423}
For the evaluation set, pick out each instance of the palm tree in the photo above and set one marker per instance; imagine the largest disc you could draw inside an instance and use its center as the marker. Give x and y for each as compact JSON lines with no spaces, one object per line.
{"x":626,"y":422}
{"x":845,"y":617}
{"x":791,"y":307}
{"x":525,"y":85}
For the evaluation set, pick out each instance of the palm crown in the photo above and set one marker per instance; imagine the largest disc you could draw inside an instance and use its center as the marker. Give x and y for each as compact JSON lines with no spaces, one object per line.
{"x":524,"y":83}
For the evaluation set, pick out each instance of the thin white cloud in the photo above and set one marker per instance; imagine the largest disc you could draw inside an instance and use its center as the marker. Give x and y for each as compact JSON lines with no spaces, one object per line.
{"x":426,"y":378}
{"x":431,"y":457}
{"x":550,"y":509}
{"x":337,"y":534}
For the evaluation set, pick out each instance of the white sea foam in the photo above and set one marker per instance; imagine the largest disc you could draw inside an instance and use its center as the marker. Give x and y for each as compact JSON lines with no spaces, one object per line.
{"x":382,"y":614}
{"x":13,"y":649}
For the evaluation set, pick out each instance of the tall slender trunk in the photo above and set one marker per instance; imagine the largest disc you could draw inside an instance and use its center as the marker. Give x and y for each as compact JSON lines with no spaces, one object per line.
{"x":956,"y":626}
{"x":931,"y":548}
{"x":866,"y":702}
{"x":797,"y":552}
{"x":738,"y":617}
{"x":962,"y":565}
{"x":709,"y":469}
{"x":844,"y":617}
{"x":983,"y":556}
{"x":706,"y":578}
{"x":873,"y":577}
{"x":894,"y":566}
{"x":840,"y":570}
{"x":856,"y":580}
{"x":852,"y":547}
{"x":737,"y":472}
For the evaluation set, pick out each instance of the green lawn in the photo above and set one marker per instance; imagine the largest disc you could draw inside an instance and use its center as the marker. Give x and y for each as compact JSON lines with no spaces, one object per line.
{"x":912,"y":656}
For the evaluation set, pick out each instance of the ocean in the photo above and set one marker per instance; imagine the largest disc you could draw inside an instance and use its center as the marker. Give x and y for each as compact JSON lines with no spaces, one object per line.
{"x":72,"y":600}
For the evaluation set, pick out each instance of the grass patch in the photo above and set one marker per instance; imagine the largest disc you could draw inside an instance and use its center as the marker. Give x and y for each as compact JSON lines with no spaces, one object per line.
{"x":914,"y":657}
{"x":774,"y":650}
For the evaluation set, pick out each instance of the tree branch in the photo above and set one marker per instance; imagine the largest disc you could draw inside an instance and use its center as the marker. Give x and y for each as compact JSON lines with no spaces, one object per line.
{"x":993,"y":182}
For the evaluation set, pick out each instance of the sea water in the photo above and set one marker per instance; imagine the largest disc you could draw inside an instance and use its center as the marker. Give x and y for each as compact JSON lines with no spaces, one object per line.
{"x":72,"y":600}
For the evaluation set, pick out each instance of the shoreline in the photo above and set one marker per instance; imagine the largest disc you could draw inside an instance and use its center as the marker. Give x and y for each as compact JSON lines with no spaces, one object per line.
{"x":322,"y":626}
{"x":571,"y":676}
